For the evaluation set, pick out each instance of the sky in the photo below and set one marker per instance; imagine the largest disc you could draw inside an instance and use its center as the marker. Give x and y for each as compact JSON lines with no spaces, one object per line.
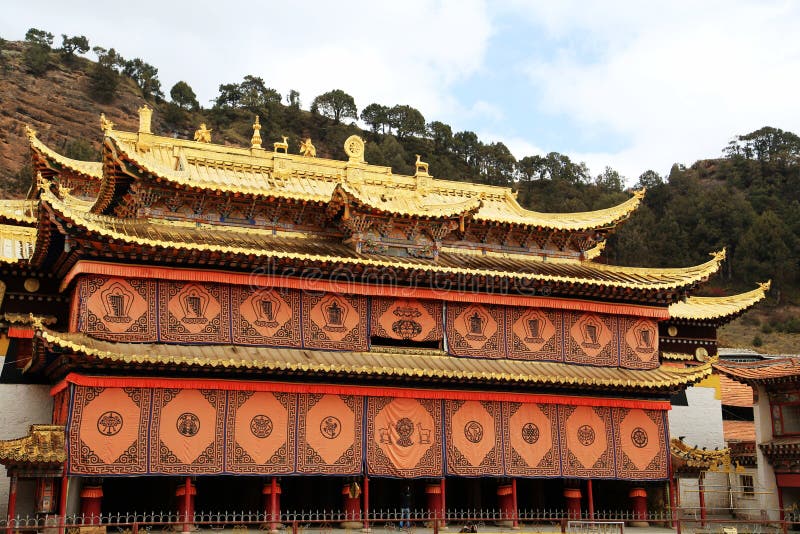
{"x":631,"y":85}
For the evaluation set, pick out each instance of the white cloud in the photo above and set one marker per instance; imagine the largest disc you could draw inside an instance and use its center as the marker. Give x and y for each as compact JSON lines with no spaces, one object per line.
{"x":391,"y":53}
{"x":676,"y":81}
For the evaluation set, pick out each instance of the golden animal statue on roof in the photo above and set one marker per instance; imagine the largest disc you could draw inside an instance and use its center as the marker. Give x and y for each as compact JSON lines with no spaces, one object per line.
{"x":203,"y":134}
{"x":308,"y":149}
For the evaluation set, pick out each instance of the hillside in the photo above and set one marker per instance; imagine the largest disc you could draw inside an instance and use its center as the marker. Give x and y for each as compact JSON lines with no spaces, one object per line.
{"x":747,"y":201}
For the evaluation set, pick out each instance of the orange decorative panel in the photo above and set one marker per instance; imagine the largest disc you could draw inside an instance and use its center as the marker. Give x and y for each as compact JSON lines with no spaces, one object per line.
{"x":265,"y":316}
{"x":407,"y":319}
{"x":187,"y":431}
{"x":472,"y":431}
{"x":116,"y":309}
{"x":530,"y":438}
{"x":641,"y":443}
{"x":591,"y":339}
{"x":108,"y":431}
{"x":260,"y":433}
{"x":334,"y":322}
{"x":404,"y":437}
{"x":639,"y":343}
{"x":330,"y":434}
{"x":535,"y":334}
{"x":475,"y":330}
{"x":194,"y":313}
{"x":586,"y":441}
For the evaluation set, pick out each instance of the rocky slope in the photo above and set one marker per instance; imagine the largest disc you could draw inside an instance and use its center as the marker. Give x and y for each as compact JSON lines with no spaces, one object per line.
{"x":55,"y":104}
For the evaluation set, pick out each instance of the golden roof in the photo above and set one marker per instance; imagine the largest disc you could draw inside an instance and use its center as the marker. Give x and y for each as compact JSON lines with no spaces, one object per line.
{"x":712,"y":460}
{"x":16,"y":242}
{"x":705,"y":308}
{"x":388,"y":362}
{"x":267,"y":174}
{"x":259,"y":243}
{"x":44,"y":444}
{"x":21,"y":211}
{"x":93,"y":169}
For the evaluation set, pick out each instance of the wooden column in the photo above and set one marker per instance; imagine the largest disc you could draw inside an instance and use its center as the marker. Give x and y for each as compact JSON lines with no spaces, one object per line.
{"x":673,"y":504}
{"x":515,"y":522}
{"x":638,"y":497}
{"x":590,"y":499}
{"x":62,"y":502}
{"x":366,"y":504}
{"x":505,"y":501}
{"x":444,"y":502}
{"x":91,"y":504}
{"x":274,"y":507}
{"x":185,"y":495}
{"x":351,"y":495}
{"x":702,"y":492}
{"x":12,"y":503}
{"x":573,"y":498}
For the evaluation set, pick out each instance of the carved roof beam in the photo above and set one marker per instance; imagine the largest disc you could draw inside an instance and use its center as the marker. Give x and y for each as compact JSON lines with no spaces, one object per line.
{"x":542,"y":238}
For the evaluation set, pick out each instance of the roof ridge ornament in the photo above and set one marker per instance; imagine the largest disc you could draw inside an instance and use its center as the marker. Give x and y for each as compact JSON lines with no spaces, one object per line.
{"x":30,"y":132}
{"x":307,"y":148}
{"x":764,"y":286}
{"x":354,"y":148}
{"x":281,"y":146}
{"x":719,"y":255}
{"x":255,"y":141}
{"x":145,"y":119}
{"x":203,"y":134}
{"x":105,"y":124}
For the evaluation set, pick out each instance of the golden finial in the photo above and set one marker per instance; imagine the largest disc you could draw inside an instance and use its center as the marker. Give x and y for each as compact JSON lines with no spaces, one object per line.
{"x":255,"y":141}
{"x":308,"y":149}
{"x":202,"y":134}
{"x":764,"y":286}
{"x":30,"y":132}
{"x":105,"y":124}
{"x":145,"y":118}
{"x":279,"y":146}
{"x":354,"y":148}
{"x":719,"y":255}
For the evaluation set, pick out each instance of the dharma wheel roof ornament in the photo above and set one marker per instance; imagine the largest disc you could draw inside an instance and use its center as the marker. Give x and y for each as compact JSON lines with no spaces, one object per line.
{"x":354,"y":148}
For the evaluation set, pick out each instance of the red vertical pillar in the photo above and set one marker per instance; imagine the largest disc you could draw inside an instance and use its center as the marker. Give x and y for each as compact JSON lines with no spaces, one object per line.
{"x":638,"y":497}
{"x":366,"y":504}
{"x":273,"y":492}
{"x":433,"y":495}
{"x":573,"y":498}
{"x":185,"y":494}
{"x":444,"y":502}
{"x":702,"y":492}
{"x":91,"y":504}
{"x":590,"y":498}
{"x":505,"y":500}
{"x":12,"y":503}
{"x":673,"y":504}
{"x":515,"y":523}
{"x":351,"y":494}
{"x":62,"y":502}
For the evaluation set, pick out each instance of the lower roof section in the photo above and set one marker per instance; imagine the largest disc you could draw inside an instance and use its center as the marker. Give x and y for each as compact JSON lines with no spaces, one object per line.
{"x":388,"y":363}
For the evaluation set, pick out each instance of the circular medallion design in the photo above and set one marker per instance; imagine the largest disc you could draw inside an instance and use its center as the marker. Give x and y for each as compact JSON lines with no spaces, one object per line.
{"x":188,"y":424}
{"x":109,"y":423}
{"x":261,"y":426}
{"x":473,"y":431}
{"x":404,"y":428}
{"x":406,"y":328}
{"x":701,"y":354}
{"x":330,"y":427}
{"x":530,"y":433}
{"x":354,"y":147}
{"x":639,"y":437}
{"x":586,"y":435}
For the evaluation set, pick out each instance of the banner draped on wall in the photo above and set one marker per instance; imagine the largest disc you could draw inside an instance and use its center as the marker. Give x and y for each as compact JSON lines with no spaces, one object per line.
{"x":148,"y":311}
{"x":185,"y":431}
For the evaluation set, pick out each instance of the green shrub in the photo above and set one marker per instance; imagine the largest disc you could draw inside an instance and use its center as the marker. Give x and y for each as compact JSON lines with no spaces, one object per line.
{"x":757,"y":341}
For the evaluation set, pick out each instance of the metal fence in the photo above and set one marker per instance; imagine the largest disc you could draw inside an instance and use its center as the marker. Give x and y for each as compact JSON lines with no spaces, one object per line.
{"x":458,"y":520}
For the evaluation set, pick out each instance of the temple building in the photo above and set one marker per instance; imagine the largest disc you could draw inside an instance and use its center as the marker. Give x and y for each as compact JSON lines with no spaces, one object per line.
{"x":247,"y":328}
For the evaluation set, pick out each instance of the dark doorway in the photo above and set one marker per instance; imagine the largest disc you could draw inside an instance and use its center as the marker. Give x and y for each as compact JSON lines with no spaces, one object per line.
{"x":123,"y":495}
